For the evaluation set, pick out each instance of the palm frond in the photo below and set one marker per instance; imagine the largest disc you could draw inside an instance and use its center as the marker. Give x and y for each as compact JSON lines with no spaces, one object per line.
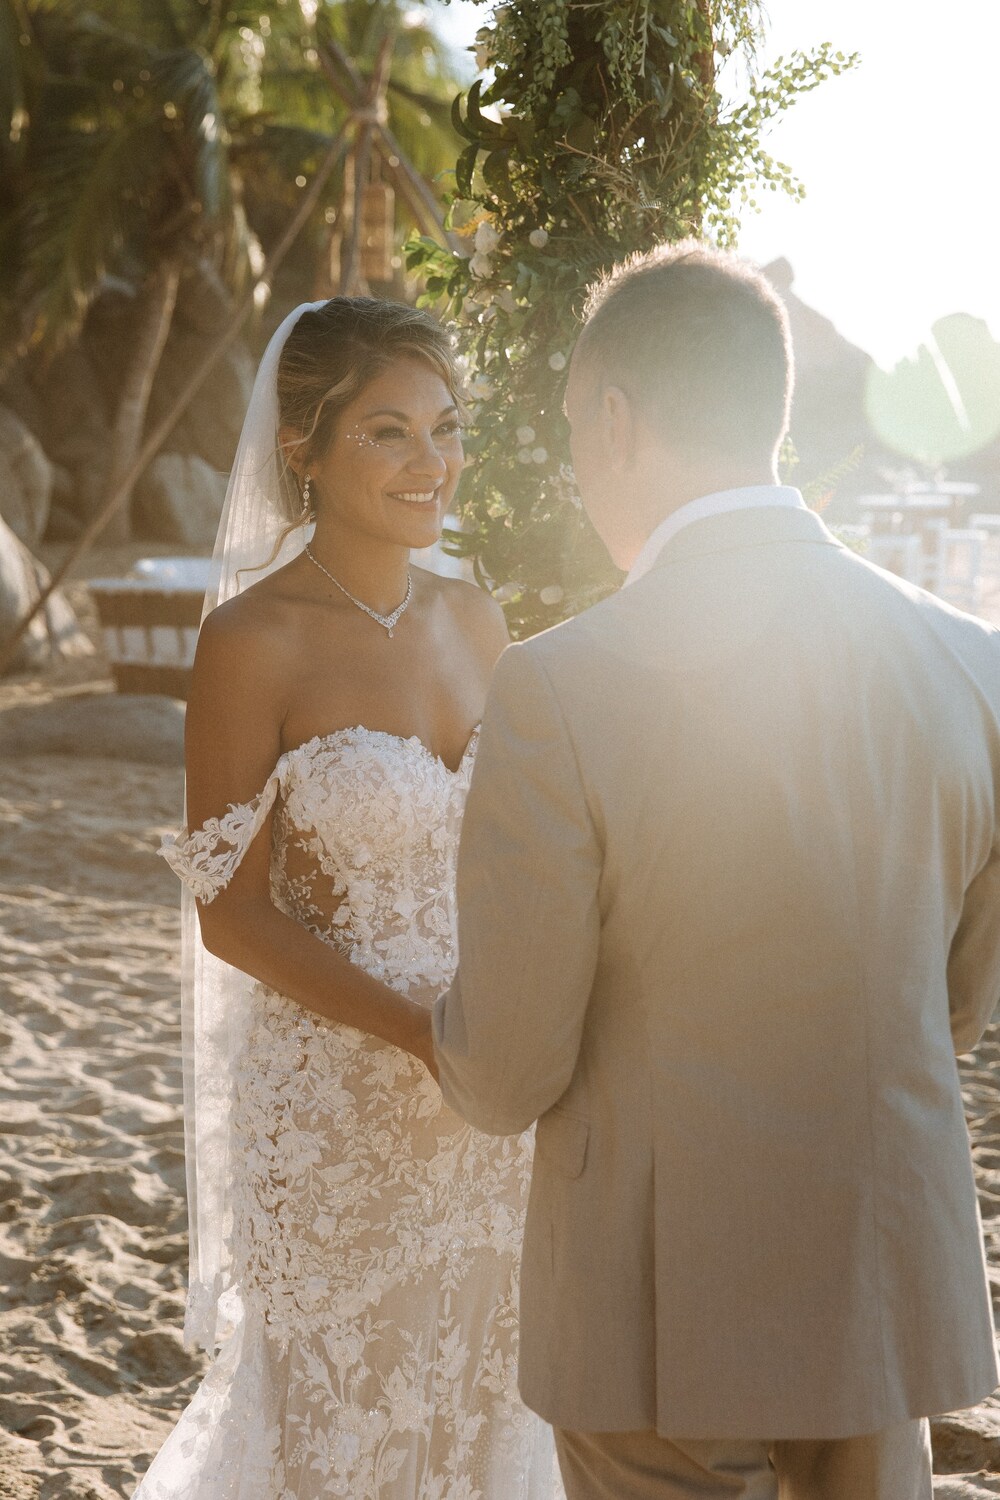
{"x":288,"y":148}
{"x":184,"y":86}
{"x":428,"y":142}
{"x":77,"y":225}
{"x":83,"y":44}
{"x":12,"y":53}
{"x":181,"y":126}
{"x":303,"y":94}
{"x":147,"y":24}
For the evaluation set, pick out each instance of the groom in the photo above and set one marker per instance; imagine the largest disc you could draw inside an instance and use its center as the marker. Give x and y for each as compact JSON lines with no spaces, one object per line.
{"x":729,"y":896}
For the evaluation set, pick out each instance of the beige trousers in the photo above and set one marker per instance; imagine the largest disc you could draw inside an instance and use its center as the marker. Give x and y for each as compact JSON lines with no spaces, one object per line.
{"x":894,"y":1464}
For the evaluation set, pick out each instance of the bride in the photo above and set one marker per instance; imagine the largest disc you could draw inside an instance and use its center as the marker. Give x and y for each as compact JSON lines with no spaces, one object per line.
{"x":354,"y":1244}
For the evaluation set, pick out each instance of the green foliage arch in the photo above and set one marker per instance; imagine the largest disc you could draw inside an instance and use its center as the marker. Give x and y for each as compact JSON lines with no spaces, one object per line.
{"x":604,"y":131}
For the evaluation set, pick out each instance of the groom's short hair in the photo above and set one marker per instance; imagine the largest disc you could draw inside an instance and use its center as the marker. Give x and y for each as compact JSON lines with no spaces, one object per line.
{"x":699,"y":342}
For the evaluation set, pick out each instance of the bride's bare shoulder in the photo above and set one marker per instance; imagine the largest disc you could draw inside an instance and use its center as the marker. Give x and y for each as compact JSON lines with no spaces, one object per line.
{"x":475,"y":613}
{"x":258,"y":631}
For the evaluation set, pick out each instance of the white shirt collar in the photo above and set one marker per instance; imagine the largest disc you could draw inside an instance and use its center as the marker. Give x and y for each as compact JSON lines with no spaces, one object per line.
{"x":749,"y":497}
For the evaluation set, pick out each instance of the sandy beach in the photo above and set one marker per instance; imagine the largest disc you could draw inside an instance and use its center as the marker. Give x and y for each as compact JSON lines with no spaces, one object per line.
{"x":92,"y":1217}
{"x":93,"y":1254}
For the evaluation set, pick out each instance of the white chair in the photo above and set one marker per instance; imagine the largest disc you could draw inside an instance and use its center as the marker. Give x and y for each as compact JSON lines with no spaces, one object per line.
{"x":899,"y":553}
{"x":956,"y":570}
{"x":989,"y":522}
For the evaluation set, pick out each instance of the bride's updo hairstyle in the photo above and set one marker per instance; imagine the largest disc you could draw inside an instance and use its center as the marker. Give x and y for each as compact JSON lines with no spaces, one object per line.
{"x":329,"y":357}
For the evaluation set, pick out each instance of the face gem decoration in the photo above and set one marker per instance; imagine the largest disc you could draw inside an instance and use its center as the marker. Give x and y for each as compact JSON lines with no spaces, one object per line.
{"x":364,"y":441}
{"x":399,"y":441}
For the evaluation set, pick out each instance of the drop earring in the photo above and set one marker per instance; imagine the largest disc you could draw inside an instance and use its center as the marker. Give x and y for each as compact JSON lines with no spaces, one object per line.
{"x":306,"y":507}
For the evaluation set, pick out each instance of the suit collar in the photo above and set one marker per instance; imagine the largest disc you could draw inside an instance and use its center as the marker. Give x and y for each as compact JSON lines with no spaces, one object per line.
{"x":744,"y":529}
{"x":720,"y":502}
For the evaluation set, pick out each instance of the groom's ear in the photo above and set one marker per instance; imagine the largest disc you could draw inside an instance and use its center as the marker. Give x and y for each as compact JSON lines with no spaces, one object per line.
{"x":617,"y":423}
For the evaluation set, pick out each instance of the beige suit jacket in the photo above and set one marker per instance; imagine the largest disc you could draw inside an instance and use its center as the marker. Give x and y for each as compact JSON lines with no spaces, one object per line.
{"x":729,"y":903}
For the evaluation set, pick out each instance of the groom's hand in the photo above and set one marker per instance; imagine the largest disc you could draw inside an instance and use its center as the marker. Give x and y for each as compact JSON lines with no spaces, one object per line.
{"x":430,"y":1062}
{"x":422,"y":1045}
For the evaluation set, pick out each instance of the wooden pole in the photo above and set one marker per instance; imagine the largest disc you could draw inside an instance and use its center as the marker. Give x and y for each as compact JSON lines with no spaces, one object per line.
{"x":412,"y":186}
{"x":166,"y":425}
{"x":369,"y":115}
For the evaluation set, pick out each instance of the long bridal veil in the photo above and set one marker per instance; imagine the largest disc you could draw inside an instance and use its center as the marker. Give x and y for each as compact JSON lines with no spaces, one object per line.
{"x":213,"y":994}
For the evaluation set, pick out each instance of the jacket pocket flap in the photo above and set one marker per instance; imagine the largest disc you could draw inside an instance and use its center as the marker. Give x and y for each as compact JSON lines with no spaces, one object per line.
{"x":561,"y":1140}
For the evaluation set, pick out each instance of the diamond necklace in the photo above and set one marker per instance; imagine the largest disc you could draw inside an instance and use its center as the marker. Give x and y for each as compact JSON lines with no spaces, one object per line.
{"x":386,"y":621}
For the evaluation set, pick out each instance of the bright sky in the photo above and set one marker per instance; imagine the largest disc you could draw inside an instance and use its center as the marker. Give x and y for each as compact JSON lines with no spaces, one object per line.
{"x":900,"y":225}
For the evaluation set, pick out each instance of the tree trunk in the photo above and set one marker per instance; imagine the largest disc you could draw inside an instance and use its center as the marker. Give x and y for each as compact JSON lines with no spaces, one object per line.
{"x":155,"y":311}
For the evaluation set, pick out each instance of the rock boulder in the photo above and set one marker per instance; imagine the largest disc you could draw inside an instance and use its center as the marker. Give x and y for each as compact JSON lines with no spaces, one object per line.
{"x":70,"y":420}
{"x":179,"y":499}
{"x":55,"y":631}
{"x":26,"y":480}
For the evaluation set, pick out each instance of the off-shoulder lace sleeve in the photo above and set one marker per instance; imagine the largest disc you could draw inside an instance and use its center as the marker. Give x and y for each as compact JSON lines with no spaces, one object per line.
{"x":206,"y":859}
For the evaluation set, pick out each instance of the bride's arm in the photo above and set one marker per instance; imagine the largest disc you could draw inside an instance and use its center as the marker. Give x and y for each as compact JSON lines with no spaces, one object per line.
{"x":232,"y":743}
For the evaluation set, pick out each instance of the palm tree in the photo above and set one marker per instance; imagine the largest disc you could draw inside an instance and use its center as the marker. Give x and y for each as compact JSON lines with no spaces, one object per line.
{"x":137,"y":136}
{"x":329,"y":78}
{"x":124,"y":174}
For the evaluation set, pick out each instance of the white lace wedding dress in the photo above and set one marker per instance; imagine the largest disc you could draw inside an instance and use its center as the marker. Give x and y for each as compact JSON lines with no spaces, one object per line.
{"x":375,"y":1236}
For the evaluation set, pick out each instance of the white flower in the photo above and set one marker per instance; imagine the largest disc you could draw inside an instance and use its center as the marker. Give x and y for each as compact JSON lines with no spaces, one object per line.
{"x":552,"y":594}
{"x":487,"y":238}
{"x":539,"y":238}
{"x":480,"y":389}
{"x":505,"y":300}
{"x":481,"y":265}
{"x":525,"y":436}
{"x":506,"y":592}
{"x":557,"y":361}
{"x":539,"y":455}
{"x":524,"y":455}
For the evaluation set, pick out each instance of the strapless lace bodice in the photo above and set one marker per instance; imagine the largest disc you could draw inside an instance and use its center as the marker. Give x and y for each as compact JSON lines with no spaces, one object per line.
{"x":363,"y":850}
{"x":366,"y":841}
{"x":375,"y":1236}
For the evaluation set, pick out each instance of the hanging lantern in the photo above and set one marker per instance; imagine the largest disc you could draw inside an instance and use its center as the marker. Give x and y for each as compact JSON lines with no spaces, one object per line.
{"x":378,"y":213}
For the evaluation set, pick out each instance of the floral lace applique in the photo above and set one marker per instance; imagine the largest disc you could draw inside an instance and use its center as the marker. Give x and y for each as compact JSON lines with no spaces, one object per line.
{"x":207,"y":859}
{"x":376,"y":1236}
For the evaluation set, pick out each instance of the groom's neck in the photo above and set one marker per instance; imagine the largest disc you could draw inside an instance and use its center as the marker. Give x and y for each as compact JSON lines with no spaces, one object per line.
{"x":667,"y":486}
{"x":670,"y":491}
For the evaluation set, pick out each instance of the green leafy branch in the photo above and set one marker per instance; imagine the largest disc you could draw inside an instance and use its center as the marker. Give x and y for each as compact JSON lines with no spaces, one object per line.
{"x":605,"y":130}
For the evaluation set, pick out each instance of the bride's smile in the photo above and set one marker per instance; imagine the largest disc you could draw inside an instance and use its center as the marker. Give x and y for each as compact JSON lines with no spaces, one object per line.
{"x":393,"y":465}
